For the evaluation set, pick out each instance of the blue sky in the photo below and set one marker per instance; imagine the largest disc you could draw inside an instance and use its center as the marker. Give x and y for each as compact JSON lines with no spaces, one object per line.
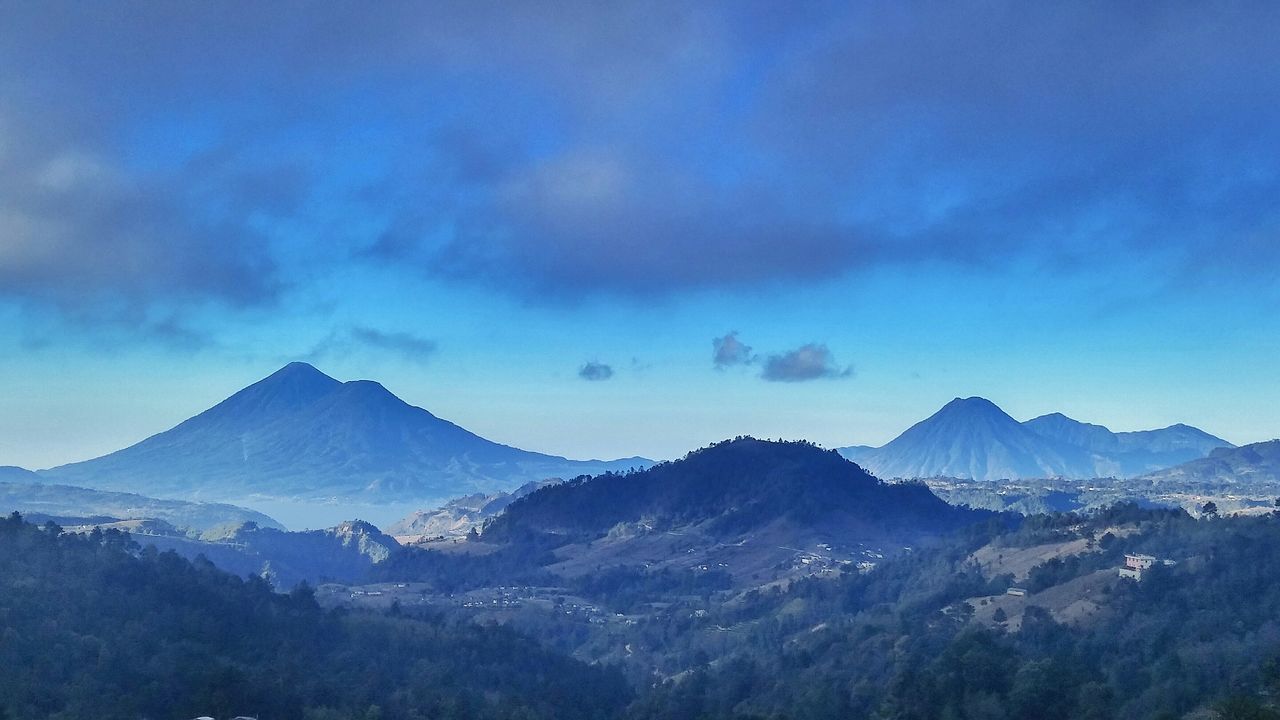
{"x":536,"y":219}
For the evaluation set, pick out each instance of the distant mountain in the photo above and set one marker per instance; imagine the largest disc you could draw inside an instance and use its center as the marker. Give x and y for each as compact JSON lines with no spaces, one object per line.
{"x":1128,"y":454}
{"x":456,"y":518}
{"x":9,"y":473}
{"x":344,"y":553}
{"x":1259,"y":462}
{"x":301,"y":434}
{"x":66,"y":503}
{"x":974,"y":439}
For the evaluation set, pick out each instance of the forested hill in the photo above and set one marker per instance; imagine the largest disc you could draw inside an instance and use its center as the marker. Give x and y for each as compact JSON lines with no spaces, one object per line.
{"x":736,"y":485}
{"x":90,"y":626}
{"x":934,"y":634}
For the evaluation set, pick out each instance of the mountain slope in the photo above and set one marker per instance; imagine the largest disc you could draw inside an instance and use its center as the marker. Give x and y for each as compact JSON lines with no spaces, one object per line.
{"x":1248,"y":463}
{"x":1127,"y":454}
{"x":301,"y":434}
{"x":972,"y":438}
{"x":739,"y":514}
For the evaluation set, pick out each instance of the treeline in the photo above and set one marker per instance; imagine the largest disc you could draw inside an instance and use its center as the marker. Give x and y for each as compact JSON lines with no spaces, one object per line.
{"x":92,"y":626}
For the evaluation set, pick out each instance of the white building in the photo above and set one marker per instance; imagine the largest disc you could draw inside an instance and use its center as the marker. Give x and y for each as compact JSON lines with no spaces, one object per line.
{"x":1135,"y":566}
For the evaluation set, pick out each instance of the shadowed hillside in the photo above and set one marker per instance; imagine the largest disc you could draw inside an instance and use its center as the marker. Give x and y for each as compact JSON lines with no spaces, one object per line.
{"x":733,"y":487}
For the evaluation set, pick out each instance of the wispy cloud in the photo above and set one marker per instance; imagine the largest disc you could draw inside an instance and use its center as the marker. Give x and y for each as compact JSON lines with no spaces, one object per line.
{"x":405,"y":346}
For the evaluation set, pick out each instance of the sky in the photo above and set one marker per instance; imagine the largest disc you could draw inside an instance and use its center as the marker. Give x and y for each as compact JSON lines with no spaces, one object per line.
{"x":615,"y":229}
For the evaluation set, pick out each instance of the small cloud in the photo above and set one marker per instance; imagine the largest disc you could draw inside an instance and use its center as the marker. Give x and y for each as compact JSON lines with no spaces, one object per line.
{"x":729,"y":350}
{"x":595,"y":371}
{"x":807,"y":362}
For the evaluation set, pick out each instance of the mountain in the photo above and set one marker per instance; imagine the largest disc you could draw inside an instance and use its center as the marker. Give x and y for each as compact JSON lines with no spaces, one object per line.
{"x":300,"y":434}
{"x":742,"y":513}
{"x":1128,"y":454}
{"x":1256,"y":463}
{"x":9,"y":473}
{"x":456,"y":518}
{"x":66,"y":503}
{"x":974,"y":439}
{"x":732,"y":487}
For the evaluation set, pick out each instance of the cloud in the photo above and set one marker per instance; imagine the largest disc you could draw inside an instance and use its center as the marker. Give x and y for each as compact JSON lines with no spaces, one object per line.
{"x":595,"y":371}
{"x":89,"y":237}
{"x":405,"y":346}
{"x":597,"y":149}
{"x":811,"y":361}
{"x":729,"y":350}
{"x":807,"y":362}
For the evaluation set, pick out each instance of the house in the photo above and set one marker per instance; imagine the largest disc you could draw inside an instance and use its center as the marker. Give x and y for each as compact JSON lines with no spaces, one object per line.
{"x":1136,"y":565}
{"x":1016,"y":592}
{"x":1138,"y":562}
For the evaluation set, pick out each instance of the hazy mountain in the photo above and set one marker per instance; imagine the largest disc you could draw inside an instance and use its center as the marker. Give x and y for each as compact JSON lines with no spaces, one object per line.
{"x":1259,"y":462}
{"x":301,"y":434}
{"x":9,"y":473}
{"x":972,"y":438}
{"x":340,"y":554}
{"x":64,"y":502}
{"x":1127,"y":454}
{"x":457,"y":517}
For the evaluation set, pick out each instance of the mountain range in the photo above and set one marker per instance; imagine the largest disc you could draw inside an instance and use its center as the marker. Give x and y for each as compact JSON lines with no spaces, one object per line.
{"x":67,"y":504}
{"x":300,"y":434}
{"x":1258,"y":462}
{"x":972,"y":438}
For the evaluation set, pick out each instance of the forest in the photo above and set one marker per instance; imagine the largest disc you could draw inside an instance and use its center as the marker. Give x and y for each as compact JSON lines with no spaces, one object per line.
{"x":94,"y":626}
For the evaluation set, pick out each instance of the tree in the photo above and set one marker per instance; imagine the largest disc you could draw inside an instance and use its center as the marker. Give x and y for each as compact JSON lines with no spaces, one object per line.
{"x":1000,"y":615}
{"x":1210,"y":508}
